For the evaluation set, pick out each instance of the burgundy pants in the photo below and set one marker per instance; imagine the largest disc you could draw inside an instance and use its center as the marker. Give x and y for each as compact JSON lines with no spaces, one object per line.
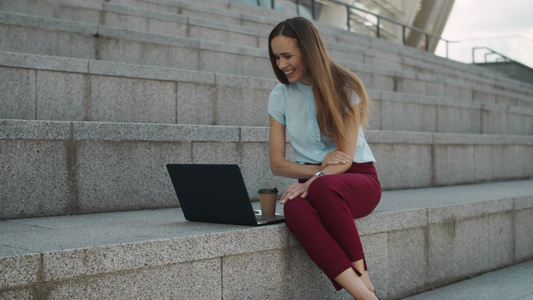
{"x":323,"y":222}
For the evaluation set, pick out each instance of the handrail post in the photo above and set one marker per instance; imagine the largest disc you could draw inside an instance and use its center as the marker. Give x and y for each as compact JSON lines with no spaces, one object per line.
{"x":403,"y":34}
{"x":313,"y":9}
{"x":378,"y":28}
{"x":427,"y":42}
{"x":348,"y":17}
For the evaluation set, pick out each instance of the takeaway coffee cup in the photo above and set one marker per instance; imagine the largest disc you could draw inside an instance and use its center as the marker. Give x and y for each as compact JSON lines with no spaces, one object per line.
{"x":268,"y":198}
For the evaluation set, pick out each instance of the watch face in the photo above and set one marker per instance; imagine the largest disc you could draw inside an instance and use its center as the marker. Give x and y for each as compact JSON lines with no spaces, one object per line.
{"x":319,"y":174}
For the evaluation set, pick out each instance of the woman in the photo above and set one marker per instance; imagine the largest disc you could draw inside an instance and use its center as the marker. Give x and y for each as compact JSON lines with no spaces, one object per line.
{"x":323,"y":108}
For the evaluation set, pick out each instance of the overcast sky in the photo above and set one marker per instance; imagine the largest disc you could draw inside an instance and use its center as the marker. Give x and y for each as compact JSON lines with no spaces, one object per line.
{"x":505,"y":26}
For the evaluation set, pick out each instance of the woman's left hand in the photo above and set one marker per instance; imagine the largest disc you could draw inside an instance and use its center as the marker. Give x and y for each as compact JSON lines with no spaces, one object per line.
{"x":295,"y":190}
{"x":336,"y":157}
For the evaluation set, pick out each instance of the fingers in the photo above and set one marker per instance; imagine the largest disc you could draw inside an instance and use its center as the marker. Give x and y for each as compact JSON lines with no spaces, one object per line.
{"x":292,"y":192}
{"x":342,"y":156}
{"x":284,"y":198}
{"x":337,"y":157}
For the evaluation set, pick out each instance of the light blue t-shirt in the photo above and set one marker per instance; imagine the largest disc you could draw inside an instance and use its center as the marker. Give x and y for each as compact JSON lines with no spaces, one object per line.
{"x":293,"y":105}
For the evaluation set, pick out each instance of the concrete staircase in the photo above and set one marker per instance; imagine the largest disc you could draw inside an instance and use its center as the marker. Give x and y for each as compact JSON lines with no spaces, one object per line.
{"x":96,"y":97}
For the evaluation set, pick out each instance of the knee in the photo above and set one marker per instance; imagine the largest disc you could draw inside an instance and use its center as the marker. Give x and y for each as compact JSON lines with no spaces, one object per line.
{"x":289,"y":208}
{"x":294,"y":207}
{"x":297,"y":210}
{"x":323,"y":188}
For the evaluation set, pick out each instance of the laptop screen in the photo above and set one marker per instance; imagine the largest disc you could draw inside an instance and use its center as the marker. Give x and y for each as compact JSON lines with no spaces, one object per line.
{"x":212,"y":193}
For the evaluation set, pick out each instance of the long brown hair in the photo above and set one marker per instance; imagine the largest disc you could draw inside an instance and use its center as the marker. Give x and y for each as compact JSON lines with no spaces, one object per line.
{"x":330,"y":80}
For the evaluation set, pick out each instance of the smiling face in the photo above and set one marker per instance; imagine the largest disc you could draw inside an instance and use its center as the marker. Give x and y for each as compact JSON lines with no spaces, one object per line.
{"x":289,"y":59}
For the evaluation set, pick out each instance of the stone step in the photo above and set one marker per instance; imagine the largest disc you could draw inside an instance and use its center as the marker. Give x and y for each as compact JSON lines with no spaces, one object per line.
{"x":100,"y":91}
{"x":135,"y":18}
{"x":375,"y":51}
{"x":91,"y":90}
{"x":44,"y":35}
{"x":56,"y":168}
{"x":435,"y":235}
{"x":31,"y":34}
{"x":350,"y":46}
{"x":180,"y":68}
{"x":178,"y":19}
{"x":510,"y":283}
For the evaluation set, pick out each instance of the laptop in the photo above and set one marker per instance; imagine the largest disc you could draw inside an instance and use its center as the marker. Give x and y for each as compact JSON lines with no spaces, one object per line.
{"x":215,"y":193}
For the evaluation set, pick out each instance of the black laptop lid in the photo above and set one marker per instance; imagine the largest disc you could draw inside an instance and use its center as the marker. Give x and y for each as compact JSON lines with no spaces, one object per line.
{"x":212,"y":193}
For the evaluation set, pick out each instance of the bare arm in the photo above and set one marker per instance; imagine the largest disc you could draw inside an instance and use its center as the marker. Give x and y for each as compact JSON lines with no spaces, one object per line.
{"x":351,"y":121}
{"x":279,"y":165}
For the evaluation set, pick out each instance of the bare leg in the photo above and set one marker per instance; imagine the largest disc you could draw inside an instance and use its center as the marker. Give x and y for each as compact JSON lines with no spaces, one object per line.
{"x":353,"y":284}
{"x":360,"y":266}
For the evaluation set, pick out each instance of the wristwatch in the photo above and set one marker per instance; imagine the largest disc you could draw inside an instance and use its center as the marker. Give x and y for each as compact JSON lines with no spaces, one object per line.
{"x":319,"y":174}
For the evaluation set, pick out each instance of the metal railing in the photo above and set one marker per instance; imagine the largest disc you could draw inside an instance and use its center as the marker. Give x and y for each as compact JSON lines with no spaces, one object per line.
{"x":489,"y":52}
{"x":376,"y":27}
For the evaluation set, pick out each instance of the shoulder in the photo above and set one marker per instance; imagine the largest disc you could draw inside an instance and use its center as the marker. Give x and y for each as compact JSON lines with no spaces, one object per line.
{"x":279,"y":89}
{"x":283,"y":91}
{"x":276,"y":103}
{"x":278,"y":92}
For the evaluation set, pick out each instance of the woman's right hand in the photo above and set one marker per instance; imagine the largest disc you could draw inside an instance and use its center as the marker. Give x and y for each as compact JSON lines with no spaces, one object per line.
{"x":336,"y":157}
{"x":295,"y":190}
